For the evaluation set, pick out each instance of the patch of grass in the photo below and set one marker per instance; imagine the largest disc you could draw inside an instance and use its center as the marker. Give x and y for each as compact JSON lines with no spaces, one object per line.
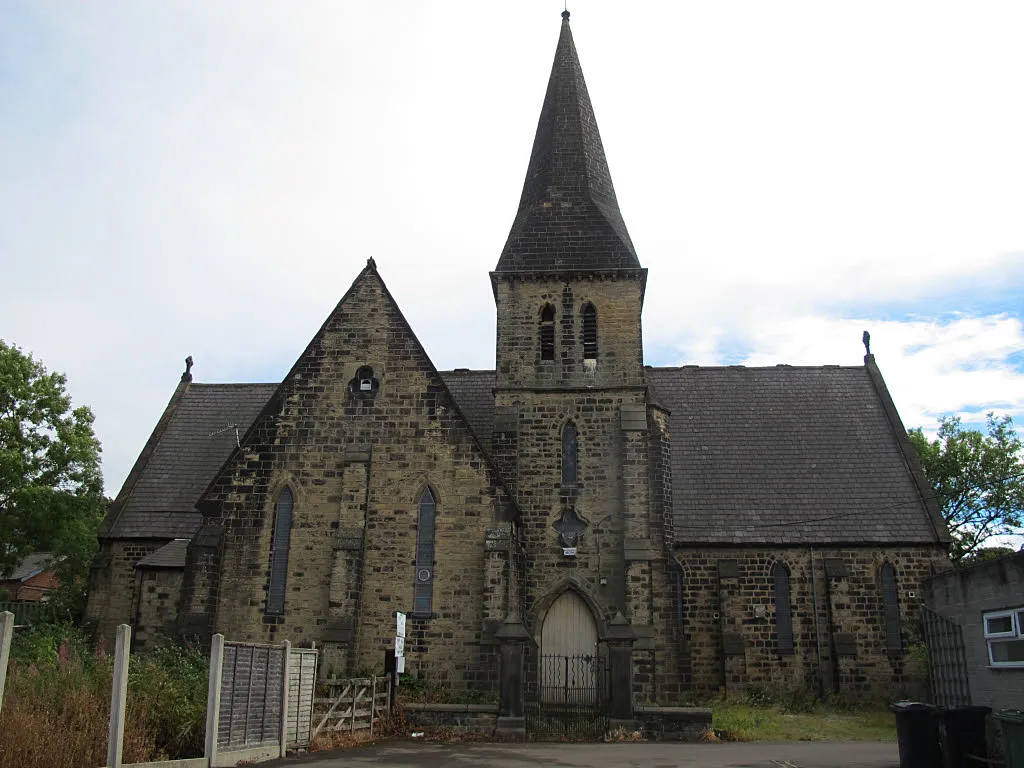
{"x":736,"y":721}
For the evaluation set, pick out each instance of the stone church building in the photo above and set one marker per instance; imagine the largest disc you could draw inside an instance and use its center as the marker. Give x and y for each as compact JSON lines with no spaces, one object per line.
{"x":726,"y":525}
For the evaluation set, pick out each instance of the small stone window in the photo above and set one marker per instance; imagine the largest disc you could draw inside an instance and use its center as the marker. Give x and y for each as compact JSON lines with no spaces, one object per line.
{"x":891,"y":608}
{"x":547,"y":333}
{"x":570,"y":455}
{"x":364,"y":386}
{"x":279,"y":552}
{"x":423,"y":585}
{"x":589,"y":332}
{"x":783,"y":610}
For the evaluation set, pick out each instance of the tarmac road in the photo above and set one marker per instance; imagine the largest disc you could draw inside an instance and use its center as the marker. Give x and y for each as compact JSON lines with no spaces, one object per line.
{"x":790,"y":754}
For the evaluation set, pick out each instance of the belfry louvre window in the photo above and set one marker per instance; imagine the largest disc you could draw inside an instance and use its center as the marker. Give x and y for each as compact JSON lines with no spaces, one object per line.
{"x":570,"y":455}
{"x":1004,"y":634}
{"x":547,"y":333}
{"x":891,"y":609}
{"x":423,"y":587}
{"x":589,"y":332}
{"x":279,"y":552}
{"x":783,"y":610}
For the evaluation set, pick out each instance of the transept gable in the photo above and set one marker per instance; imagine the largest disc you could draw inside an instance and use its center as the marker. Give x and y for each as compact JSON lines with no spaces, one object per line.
{"x":362,"y":368}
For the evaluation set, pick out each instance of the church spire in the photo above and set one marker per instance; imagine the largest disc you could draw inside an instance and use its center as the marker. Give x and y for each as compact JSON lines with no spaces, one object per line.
{"x":568,"y":218}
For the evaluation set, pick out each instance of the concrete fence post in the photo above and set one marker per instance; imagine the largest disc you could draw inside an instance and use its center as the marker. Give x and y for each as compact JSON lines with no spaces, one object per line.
{"x":6,"y":633}
{"x":213,"y":698}
{"x":285,"y":685}
{"x":118,"y":696}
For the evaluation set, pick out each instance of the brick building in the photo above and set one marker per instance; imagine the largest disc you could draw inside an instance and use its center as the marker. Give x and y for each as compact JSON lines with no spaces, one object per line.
{"x":34,"y":578}
{"x":730,"y":525}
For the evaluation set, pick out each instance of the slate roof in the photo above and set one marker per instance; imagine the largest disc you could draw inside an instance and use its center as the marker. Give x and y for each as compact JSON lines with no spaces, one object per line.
{"x":35,"y":563}
{"x":787,"y":455}
{"x":474,"y":393}
{"x":568,"y":217}
{"x":158,"y":500}
{"x":759,"y":456}
{"x":171,"y":555}
{"x":801,"y":455}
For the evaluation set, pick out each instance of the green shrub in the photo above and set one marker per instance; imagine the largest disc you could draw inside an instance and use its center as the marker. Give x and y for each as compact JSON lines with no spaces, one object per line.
{"x":168,"y":686}
{"x":760,"y":695}
{"x":40,"y":644}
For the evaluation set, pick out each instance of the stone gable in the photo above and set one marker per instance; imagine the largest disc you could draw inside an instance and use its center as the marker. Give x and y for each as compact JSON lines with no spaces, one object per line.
{"x":357,"y":464}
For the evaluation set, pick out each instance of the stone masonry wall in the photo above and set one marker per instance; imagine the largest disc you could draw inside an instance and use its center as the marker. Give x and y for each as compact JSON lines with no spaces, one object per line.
{"x":112,"y":585}
{"x":612,"y":492}
{"x":357,"y":467}
{"x":159,"y":599}
{"x":598,"y":498}
{"x":620,"y":351}
{"x":728,"y":612}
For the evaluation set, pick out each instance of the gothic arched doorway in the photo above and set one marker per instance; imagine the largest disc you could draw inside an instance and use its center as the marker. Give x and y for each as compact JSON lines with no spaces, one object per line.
{"x":570,"y":666}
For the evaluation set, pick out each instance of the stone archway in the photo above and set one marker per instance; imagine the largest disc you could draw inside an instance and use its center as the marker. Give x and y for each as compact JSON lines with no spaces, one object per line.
{"x":569,"y":628}
{"x":571,"y":669}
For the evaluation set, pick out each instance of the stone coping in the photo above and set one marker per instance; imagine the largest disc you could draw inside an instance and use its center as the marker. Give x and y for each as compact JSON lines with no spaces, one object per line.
{"x":680,"y":712}
{"x":488,"y":709}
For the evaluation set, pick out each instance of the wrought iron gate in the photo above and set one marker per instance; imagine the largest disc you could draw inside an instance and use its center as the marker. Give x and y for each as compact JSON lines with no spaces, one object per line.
{"x":947,"y":661}
{"x":571,"y":699}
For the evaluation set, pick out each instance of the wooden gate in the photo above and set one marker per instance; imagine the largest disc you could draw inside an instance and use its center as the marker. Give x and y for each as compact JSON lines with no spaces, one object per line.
{"x":351,"y":705}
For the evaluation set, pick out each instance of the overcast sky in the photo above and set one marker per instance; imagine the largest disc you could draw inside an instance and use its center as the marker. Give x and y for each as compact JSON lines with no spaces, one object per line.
{"x":208,"y":178}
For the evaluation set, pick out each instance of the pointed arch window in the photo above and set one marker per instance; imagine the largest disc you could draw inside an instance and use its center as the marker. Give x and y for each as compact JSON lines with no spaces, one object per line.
{"x":891,"y":608}
{"x":547,"y":333}
{"x":423,"y":586}
{"x":589,"y":332}
{"x":783,"y":610}
{"x":279,"y":545}
{"x":570,"y":455}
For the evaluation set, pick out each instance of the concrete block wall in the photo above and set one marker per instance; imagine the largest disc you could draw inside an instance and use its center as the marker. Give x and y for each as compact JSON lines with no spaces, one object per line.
{"x":964,"y":596}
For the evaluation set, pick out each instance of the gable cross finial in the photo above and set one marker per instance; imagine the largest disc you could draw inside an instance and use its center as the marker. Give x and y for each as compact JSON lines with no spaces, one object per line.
{"x":187,"y":375}
{"x":866,"y":338}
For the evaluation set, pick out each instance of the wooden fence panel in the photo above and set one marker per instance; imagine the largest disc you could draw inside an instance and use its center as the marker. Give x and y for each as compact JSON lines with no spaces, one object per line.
{"x":301,"y":692}
{"x":28,"y":612}
{"x":250,"y":696}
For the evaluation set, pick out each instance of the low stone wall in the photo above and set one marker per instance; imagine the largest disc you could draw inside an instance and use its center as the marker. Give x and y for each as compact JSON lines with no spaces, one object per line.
{"x":673,"y":723}
{"x":471,"y":718}
{"x":656,"y":723}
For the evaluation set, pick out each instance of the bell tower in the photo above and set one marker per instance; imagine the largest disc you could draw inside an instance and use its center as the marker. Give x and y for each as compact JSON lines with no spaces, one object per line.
{"x":570,"y":392}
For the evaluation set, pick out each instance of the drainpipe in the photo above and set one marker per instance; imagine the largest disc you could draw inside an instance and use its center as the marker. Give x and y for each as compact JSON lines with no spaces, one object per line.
{"x":817,"y":629}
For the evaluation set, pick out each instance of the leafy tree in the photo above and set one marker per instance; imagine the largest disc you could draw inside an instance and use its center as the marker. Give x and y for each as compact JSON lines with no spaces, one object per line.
{"x":981,"y":554}
{"x":978,"y":480}
{"x":51,"y":490}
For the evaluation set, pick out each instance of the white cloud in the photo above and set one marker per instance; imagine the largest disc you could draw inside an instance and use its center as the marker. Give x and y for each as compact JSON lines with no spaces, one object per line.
{"x":207,"y":178}
{"x":932,"y":368}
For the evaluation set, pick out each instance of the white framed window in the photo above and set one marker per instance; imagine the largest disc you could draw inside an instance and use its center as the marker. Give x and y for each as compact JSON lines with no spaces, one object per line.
{"x":1004,"y":633}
